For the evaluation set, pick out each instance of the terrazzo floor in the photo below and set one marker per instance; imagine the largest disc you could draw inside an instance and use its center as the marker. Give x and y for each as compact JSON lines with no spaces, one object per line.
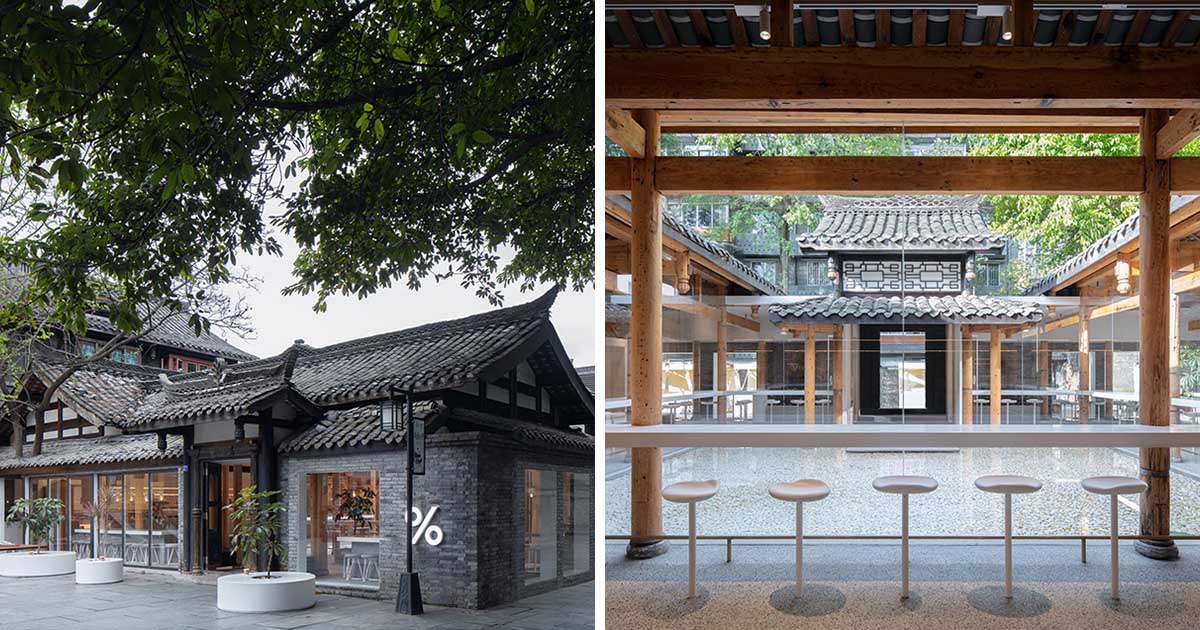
{"x":742,"y":505}
{"x":856,"y":586}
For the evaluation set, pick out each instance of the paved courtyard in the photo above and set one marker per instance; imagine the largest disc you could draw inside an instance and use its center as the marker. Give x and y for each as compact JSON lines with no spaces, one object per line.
{"x":742,"y":505}
{"x":150,"y":602}
{"x":955,"y":586}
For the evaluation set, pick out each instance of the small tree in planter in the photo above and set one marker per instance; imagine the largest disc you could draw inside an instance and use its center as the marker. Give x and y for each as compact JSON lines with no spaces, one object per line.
{"x":355,"y":505}
{"x":256,"y":525}
{"x":107,"y":502}
{"x":37,"y":516}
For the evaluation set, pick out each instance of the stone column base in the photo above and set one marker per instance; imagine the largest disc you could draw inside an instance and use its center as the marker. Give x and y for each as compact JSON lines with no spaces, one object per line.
{"x":646,"y":549}
{"x":1157,"y":549}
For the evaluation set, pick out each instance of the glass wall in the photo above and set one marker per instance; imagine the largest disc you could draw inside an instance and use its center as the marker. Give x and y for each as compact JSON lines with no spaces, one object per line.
{"x":342,"y":523}
{"x":541,"y":531}
{"x":55,"y":488}
{"x":164,"y":511}
{"x":111,"y":534}
{"x":577,"y":522}
{"x":137,"y":518}
{"x":14,"y":488}
{"x":79,"y":521}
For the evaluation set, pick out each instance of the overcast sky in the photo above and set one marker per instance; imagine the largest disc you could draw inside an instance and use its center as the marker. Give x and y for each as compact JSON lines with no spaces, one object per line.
{"x":279,"y":320}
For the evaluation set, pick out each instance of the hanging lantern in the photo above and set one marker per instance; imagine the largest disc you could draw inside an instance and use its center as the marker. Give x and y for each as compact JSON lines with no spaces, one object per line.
{"x":391,"y":415}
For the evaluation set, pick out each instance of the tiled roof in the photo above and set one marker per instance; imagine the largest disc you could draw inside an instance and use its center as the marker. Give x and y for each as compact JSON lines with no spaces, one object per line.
{"x":353,"y":427}
{"x":101,"y":450}
{"x":360,"y":426}
{"x":726,"y":259}
{"x":587,"y":374}
{"x":968,"y":309}
{"x":174,"y":332}
{"x":103,"y":392}
{"x":909,"y":222}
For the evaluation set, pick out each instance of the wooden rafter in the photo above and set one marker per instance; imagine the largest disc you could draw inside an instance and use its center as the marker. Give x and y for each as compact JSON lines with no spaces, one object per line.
{"x":621,"y":128}
{"x":1178,"y":132}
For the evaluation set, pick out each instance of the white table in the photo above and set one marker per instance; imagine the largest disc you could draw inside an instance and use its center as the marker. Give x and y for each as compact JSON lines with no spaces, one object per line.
{"x":901,"y":435}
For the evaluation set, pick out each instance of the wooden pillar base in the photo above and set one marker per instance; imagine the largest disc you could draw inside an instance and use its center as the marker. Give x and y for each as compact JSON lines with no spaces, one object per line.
{"x":646,"y":549}
{"x":1157,"y":549}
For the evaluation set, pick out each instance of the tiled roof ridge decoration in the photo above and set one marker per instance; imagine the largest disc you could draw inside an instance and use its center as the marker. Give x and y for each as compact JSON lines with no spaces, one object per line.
{"x":916,"y":222}
{"x":726,"y":257}
{"x":918,"y":309}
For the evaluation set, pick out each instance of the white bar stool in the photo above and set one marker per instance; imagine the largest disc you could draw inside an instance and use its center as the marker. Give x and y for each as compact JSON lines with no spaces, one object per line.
{"x":1008,"y":485}
{"x":1114,"y":486}
{"x":800,"y":492}
{"x":691,"y":492}
{"x":904,"y":485}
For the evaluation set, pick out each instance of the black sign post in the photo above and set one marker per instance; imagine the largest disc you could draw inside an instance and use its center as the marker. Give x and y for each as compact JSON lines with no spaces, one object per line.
{"x":408,"y":600}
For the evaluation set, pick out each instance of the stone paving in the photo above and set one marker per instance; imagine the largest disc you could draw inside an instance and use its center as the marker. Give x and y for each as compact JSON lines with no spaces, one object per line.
{"x":742,"y":505}
{"x":956,"y":586}
{"x":151,"y":602}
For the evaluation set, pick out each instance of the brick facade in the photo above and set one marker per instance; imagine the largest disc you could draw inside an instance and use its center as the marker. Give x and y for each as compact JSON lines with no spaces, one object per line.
{"x":477,"y":481}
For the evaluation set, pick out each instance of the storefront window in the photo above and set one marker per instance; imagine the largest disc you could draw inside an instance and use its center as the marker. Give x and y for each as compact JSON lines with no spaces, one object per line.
{"x":110,"y":540}
{"x":577,"y":522}
{"x":54,"y":488}
{"x":13,"y":489}
{"x":164,"y":510}
{"x":541,"y":518}
{"x":137,"y":518}
{"x":342,"y":521}
{"x":80,"y":523}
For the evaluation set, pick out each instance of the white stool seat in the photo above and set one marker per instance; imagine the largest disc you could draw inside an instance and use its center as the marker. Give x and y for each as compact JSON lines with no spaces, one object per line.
{"x":690,"y":491}
{"x":800,"y":491}
{"x":905,"y":484}
{"x":1114,"y":485}
{"x":1008,"y":484}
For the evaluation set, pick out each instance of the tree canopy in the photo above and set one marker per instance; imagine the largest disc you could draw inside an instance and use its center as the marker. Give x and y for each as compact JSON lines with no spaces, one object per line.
{"x":424,"y":135}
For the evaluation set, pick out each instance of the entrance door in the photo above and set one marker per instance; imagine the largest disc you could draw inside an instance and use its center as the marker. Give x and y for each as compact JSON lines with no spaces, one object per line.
{"x":222,"y":483}
{"x":904,"y":372}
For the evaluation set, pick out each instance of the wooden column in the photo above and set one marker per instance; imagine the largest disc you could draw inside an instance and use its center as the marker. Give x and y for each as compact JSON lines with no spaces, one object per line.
{"x":1043,"y":363}
{"x":994,"y":377}
{"x":760,"y":381}
{"x":810,"y":375}
{"x":782,"y":33}
{"x":1154,"y":292}
{"x":697,"y":377}
{"x":1085,"y":359}
{"x":722,"y":372}
{"x":1108,"y":377}
{"x":968,"y":376}
{"x":835,"y":347}
{"x":646,"y":339}
{"x":1173,"y":364}
{"x":1024,"y":22}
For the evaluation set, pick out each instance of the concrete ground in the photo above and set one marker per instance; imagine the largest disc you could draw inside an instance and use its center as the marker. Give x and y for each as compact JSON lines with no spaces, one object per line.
{"x":857,"y":586}
{"x":151,"y":602}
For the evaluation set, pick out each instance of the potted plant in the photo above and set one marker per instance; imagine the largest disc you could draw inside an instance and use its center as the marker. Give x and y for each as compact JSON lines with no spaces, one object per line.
{"x":101,"y":570}
{"x":257,"y":521}
{"x":38,"y":517}
{"x":355,"y":505}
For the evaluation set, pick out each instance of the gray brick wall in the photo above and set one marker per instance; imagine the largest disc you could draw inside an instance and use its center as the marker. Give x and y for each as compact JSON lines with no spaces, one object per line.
{"x":477,"y":481}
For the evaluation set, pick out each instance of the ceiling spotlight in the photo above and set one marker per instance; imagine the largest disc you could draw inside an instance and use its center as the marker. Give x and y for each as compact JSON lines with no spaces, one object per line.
{"x":1006,"y":24}
{"x":764,"y":23}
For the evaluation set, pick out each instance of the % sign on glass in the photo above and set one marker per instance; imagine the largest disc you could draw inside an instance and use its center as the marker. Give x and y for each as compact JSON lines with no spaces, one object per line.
{"x":432,"y":534}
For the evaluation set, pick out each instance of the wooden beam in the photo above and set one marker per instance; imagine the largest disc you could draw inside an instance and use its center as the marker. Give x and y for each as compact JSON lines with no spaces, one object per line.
{"x":784,"y":175}
{"x":810,"y":375}
{"x":1013,"y":121}
{"x":622,"y":129}
{"x":902,"y":78}
{"x":1154,"y":286}
{"x":646,"y":342}
{"x":994,"y":375}
{"x":617,"y":179}
{"x":1178,"y":133}
{"x":782,"y":33}
{"x":1024,"y":18}
{"x":1185,"y":175}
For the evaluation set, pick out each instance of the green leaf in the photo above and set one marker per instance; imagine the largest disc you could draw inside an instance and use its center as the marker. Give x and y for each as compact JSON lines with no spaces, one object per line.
{"x":457,"y":128}
{"x":361,"y":123}
{"x":393,"y":36}
{"x":462,"y":147}
{"x":399,"y":54}
{"x":529,"y":6}
{"x":367,"y":107}
{"x":482,"y":137}
{"x":437,"y":4}
{"x":378,"y":129}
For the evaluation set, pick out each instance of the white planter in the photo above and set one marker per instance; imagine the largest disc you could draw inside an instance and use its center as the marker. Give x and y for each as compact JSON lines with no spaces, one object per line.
{"x":105,"y":571}
{"x":254,"y":593}
{"x":28,"y":564}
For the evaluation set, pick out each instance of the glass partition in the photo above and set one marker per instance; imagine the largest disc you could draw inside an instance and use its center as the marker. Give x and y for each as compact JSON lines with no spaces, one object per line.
{"x":112,"y":535}
{"x":80,"y":523}
{"x":164,"y":510}
{"x":342,"y":522}
{"x":137,"y":518}
{"x":577,"y":526}
{"x":541,"y":531}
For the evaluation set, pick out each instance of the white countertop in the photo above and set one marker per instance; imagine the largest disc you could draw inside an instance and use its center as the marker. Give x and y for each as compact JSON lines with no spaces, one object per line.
{"x":358,"y":539}
{"x":900,"y":435}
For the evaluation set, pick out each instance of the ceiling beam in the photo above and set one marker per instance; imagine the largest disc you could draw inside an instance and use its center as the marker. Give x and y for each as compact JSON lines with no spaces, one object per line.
{"x":898,"y":4}
{"x":903,"y":78}
{"x":1178,"y":133}
{"x":623,"y":130}
{"x":859,"y":121}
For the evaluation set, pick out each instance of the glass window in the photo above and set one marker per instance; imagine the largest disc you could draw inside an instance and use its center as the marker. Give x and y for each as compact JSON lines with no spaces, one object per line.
{"x":541,"y":520}
{"x":164,"y":511}
{"x":54,"y":488}
{"x":342,"y":520}
{"x":137,"y":519}
{"x":110,"y":534}
{"x":80,"y":523}
{"x":577,"y":522}
{"x":87,"y":349}
{"x":14,"y":489}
